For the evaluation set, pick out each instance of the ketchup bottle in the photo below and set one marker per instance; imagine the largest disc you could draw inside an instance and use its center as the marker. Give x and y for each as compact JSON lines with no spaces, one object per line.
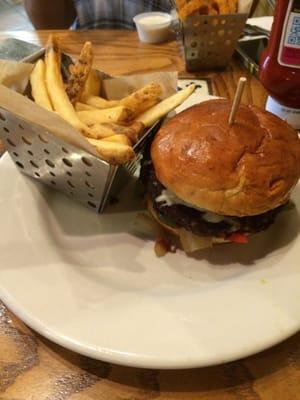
{"x":280,"y":63}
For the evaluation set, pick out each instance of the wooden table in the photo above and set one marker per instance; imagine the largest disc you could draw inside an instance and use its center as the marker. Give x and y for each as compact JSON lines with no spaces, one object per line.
{"x":33,"y":368}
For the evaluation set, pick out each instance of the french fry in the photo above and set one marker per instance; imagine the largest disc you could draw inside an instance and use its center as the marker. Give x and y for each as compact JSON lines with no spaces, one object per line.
{"x":92,"y":85}
{"x":116,"y":114}
{"x":142,"y":99}
{"x":117,"y":129}
{"x":83,"y":107}
{"x":152,"y":115}
{"x":137,"y":128}
{"x":99,"y":102}
{"x":38,"y":86}
{"x":138,"y":101}
{"x":79,"y":73}
{"x":133,"y":131}
{"x":113,"y":153}
{"x":101,"y":131}
{"x":105,"y":130}
{"x":56,"y":90}
{"x":118,"y":139}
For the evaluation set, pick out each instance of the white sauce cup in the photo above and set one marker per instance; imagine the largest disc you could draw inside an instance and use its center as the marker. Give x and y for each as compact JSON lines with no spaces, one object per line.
{"x":153,"y":27}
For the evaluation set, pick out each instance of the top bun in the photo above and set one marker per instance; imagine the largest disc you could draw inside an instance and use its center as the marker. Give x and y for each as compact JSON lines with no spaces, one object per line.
{"x":246,"y":168}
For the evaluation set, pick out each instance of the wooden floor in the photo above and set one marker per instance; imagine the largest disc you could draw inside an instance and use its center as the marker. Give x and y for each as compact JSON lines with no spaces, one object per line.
{"x":13,"y":16}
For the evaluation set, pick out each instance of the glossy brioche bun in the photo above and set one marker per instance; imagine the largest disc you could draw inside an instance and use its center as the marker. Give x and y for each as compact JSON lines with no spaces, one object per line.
{"x":246,"y":168}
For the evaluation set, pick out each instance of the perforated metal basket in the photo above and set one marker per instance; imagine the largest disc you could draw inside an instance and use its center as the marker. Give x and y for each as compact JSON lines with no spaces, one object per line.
{"x":209,"y":40}
{"x":43,"y":156}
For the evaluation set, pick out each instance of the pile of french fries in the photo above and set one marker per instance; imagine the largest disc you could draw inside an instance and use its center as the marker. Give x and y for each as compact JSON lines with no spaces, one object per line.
{"x":111,"y":126}
{"x":186,"y":8}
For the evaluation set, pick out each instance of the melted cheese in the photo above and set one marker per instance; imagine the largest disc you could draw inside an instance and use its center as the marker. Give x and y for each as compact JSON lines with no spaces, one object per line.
{"x":169,"y":198}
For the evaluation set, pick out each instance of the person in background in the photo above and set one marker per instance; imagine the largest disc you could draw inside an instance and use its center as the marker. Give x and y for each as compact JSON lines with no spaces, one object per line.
{"x":97,"y":14}
{"x":89,"y":14}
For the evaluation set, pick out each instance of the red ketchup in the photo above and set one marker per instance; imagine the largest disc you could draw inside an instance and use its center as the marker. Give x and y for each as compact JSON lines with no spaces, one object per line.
{"x":280,"y":63}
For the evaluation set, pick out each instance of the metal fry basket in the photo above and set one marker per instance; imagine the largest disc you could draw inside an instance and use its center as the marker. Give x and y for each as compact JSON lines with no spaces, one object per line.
{"x":50,"y":160}
{"x":68,"y":169}
{"x":209,"y":40}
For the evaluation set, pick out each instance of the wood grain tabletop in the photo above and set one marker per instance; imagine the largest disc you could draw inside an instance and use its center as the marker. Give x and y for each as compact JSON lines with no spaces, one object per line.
{"x":33,"y":368}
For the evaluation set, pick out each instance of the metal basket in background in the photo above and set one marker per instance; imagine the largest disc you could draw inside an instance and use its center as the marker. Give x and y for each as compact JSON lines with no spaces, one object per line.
{"x":209,"y":40}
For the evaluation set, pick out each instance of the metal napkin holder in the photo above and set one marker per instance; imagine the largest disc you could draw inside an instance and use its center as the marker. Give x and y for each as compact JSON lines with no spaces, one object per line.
{"x":209,"y":41}
{"x":52,"y":161}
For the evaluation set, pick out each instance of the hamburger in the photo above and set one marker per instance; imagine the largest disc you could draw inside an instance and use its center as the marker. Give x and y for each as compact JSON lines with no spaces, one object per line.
{"x":210,"y":182}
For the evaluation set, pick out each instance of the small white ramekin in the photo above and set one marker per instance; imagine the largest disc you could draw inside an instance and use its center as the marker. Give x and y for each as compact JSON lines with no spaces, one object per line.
{"x":153,"y":27}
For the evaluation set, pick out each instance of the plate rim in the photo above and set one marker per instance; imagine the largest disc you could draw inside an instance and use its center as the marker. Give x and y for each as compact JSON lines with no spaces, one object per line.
{"x":127,"y":359}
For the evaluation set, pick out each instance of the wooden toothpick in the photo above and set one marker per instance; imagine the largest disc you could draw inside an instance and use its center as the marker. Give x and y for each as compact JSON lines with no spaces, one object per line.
{"x":237,"y":100}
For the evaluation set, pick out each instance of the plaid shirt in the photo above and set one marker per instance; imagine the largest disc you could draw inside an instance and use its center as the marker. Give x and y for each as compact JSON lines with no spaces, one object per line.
{"x":118,"y":14}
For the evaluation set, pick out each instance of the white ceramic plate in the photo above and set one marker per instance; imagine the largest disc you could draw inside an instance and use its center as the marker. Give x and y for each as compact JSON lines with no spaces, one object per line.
{"x":87,"y":283}
{"x":91,"y":284}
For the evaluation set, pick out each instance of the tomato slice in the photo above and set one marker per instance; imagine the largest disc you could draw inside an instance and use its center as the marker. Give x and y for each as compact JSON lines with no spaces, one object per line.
{"x":238,"y":237}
